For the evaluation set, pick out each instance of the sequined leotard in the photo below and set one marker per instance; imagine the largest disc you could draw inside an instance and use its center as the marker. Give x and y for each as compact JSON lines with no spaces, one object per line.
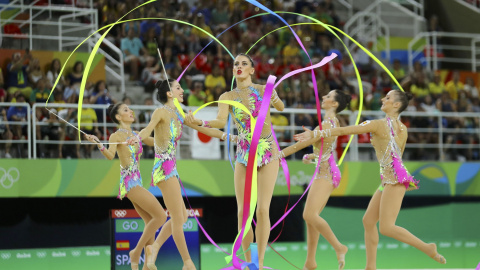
{"x":165,"y":165}
{"x":130,"y":175}
{"x":392,"y":170}
{"x":389,"y":154}
{"x":252,"y":98}
{"x":328,"y":170}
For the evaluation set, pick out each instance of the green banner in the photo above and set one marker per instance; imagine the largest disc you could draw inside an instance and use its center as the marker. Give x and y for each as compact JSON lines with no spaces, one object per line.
{"x":100,"y":178}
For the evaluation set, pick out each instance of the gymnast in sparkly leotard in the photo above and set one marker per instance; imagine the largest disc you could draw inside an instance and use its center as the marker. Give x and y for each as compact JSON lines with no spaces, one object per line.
{"x":168,"y":124}
{"x":326,"y":180}
{"x":250,"y":95}
{"x":146,"y":205}
{"x":389,"y":137}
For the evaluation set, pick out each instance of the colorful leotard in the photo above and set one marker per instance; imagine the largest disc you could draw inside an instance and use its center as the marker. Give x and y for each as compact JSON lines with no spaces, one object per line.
{"x":328,"y":167}
{"x":392,"y":170}
{"x":165,"y":165}
{"x":130,"y":176}
{"x":267,"y":151}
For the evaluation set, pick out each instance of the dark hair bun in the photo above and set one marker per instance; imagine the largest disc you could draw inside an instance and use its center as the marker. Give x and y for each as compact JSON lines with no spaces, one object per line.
{"x":348,"y":98}
{"x":409,"y":96}
{"x":110,"y":108}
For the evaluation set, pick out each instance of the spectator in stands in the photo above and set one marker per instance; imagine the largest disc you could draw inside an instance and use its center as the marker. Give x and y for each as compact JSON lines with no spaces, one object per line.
{"x":454,"y":86}
{"x":419,"y":88}
{"x":214,"y":94}
{"x":321,"y":14}
{"x":100,"y":95}
{"x":333,"y":71}
{"x":53,"y":131}
{"x":73,"y":81}
{"x":279,"y":121}
{"x":436,"y":87}
{"x":133,"y":52}
{"x":199,"y":20}
{"x":214,"y":79}
{"x":150,"y":44}
{"x":17,"y":77}
{"x":270,"y":48}
{"x":88,"y":120}
{"x":146,"y":25}
{"x":470,"y":88}
{"x":428,"y":105}
{"x":35,"y":73}
{"x":197,"y":96}
{"x":18,"y":114}
{"x":5,"y":132}
{"x":3,"y":93}
{"x":290,"y":51}
{"x":398,"y":71}
{"x":53,"y":74}
{"x":220,"y":15}
{"x":445,"y":103}
{"x":131,"y":25}
{"x":40,"y":93}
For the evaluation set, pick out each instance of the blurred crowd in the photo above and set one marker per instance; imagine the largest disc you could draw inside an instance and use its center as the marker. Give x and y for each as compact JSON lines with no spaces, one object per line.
{"x":210,"y":74}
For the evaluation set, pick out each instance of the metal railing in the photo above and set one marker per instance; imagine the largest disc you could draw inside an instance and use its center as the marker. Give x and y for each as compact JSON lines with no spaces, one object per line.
{"x":109,"y":60}
{"x":35,"y":11}
{"x":472,"y":4}
{"x":356,"y":152}
{"x":428,"y":42}
{"x":27,"y":122}
{"x":65,"y":28}
{"x":368,"y":27}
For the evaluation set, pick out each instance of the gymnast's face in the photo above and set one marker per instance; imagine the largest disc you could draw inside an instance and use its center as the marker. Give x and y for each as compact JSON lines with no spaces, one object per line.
{"x":125,"y":114}
{"x":328,"y":101}
{"x":389,"y":102}
{"x":242,"y":67}
{"x":177,"y":91}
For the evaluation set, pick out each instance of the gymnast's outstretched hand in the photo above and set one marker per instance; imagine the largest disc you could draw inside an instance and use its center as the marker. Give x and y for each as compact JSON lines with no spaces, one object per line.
{"x":304,"y":136}
{"x":191,"y":120}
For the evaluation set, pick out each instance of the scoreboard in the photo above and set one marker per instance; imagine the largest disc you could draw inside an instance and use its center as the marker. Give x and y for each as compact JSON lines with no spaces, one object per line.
{"x":127,"y":227}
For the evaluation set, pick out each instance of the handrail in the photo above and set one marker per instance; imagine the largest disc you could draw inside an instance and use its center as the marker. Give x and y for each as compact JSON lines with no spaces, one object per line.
{"x":34,"y":11}
{"x":92,"y":26}
{"x":116,"y":63}
{"x":475,"y":52}
{"x":370,"y":27}
{"x":11,"y":5}
{"x":355,"y":146}
{"x":28,"y":122}
{"x":431,"y":41}
{"x":473,"y":5}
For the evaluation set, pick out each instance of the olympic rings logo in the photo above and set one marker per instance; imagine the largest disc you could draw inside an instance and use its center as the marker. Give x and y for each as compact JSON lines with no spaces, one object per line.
{"x":76,"y":253}
{"x":5,"y":256}
{"x":7,"y":179}
{"x":120,"y":213}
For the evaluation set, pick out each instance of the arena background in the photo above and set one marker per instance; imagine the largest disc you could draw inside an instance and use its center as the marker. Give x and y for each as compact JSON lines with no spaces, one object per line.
{"x":55,"y":211}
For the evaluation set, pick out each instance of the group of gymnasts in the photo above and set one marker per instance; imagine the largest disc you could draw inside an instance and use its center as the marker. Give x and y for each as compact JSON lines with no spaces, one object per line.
{"x":388,"y":137}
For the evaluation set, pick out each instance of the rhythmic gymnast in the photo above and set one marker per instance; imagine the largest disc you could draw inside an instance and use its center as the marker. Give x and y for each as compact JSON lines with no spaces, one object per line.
{"x":146,"y":205}
{"x":327,"y":179}
{"x":250,"y":95}
{"x":168,"y":125}
{"x":389,"y":137}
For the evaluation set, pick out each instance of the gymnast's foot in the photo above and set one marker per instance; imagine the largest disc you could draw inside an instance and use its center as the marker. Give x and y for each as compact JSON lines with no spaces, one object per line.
{"x":310,"y":265}
{"x":189,"y":265}
{"x":341,"y":252}
{"x":134,"y":259}
{"x":152,"y":252}
{"x":435,"y":255}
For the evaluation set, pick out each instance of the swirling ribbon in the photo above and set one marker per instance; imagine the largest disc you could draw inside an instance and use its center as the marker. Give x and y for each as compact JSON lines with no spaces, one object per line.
{"x":253,"y":172}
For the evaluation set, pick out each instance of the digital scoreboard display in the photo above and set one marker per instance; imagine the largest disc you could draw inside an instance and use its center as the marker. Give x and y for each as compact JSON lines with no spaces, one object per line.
{"x":126,"y":229}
